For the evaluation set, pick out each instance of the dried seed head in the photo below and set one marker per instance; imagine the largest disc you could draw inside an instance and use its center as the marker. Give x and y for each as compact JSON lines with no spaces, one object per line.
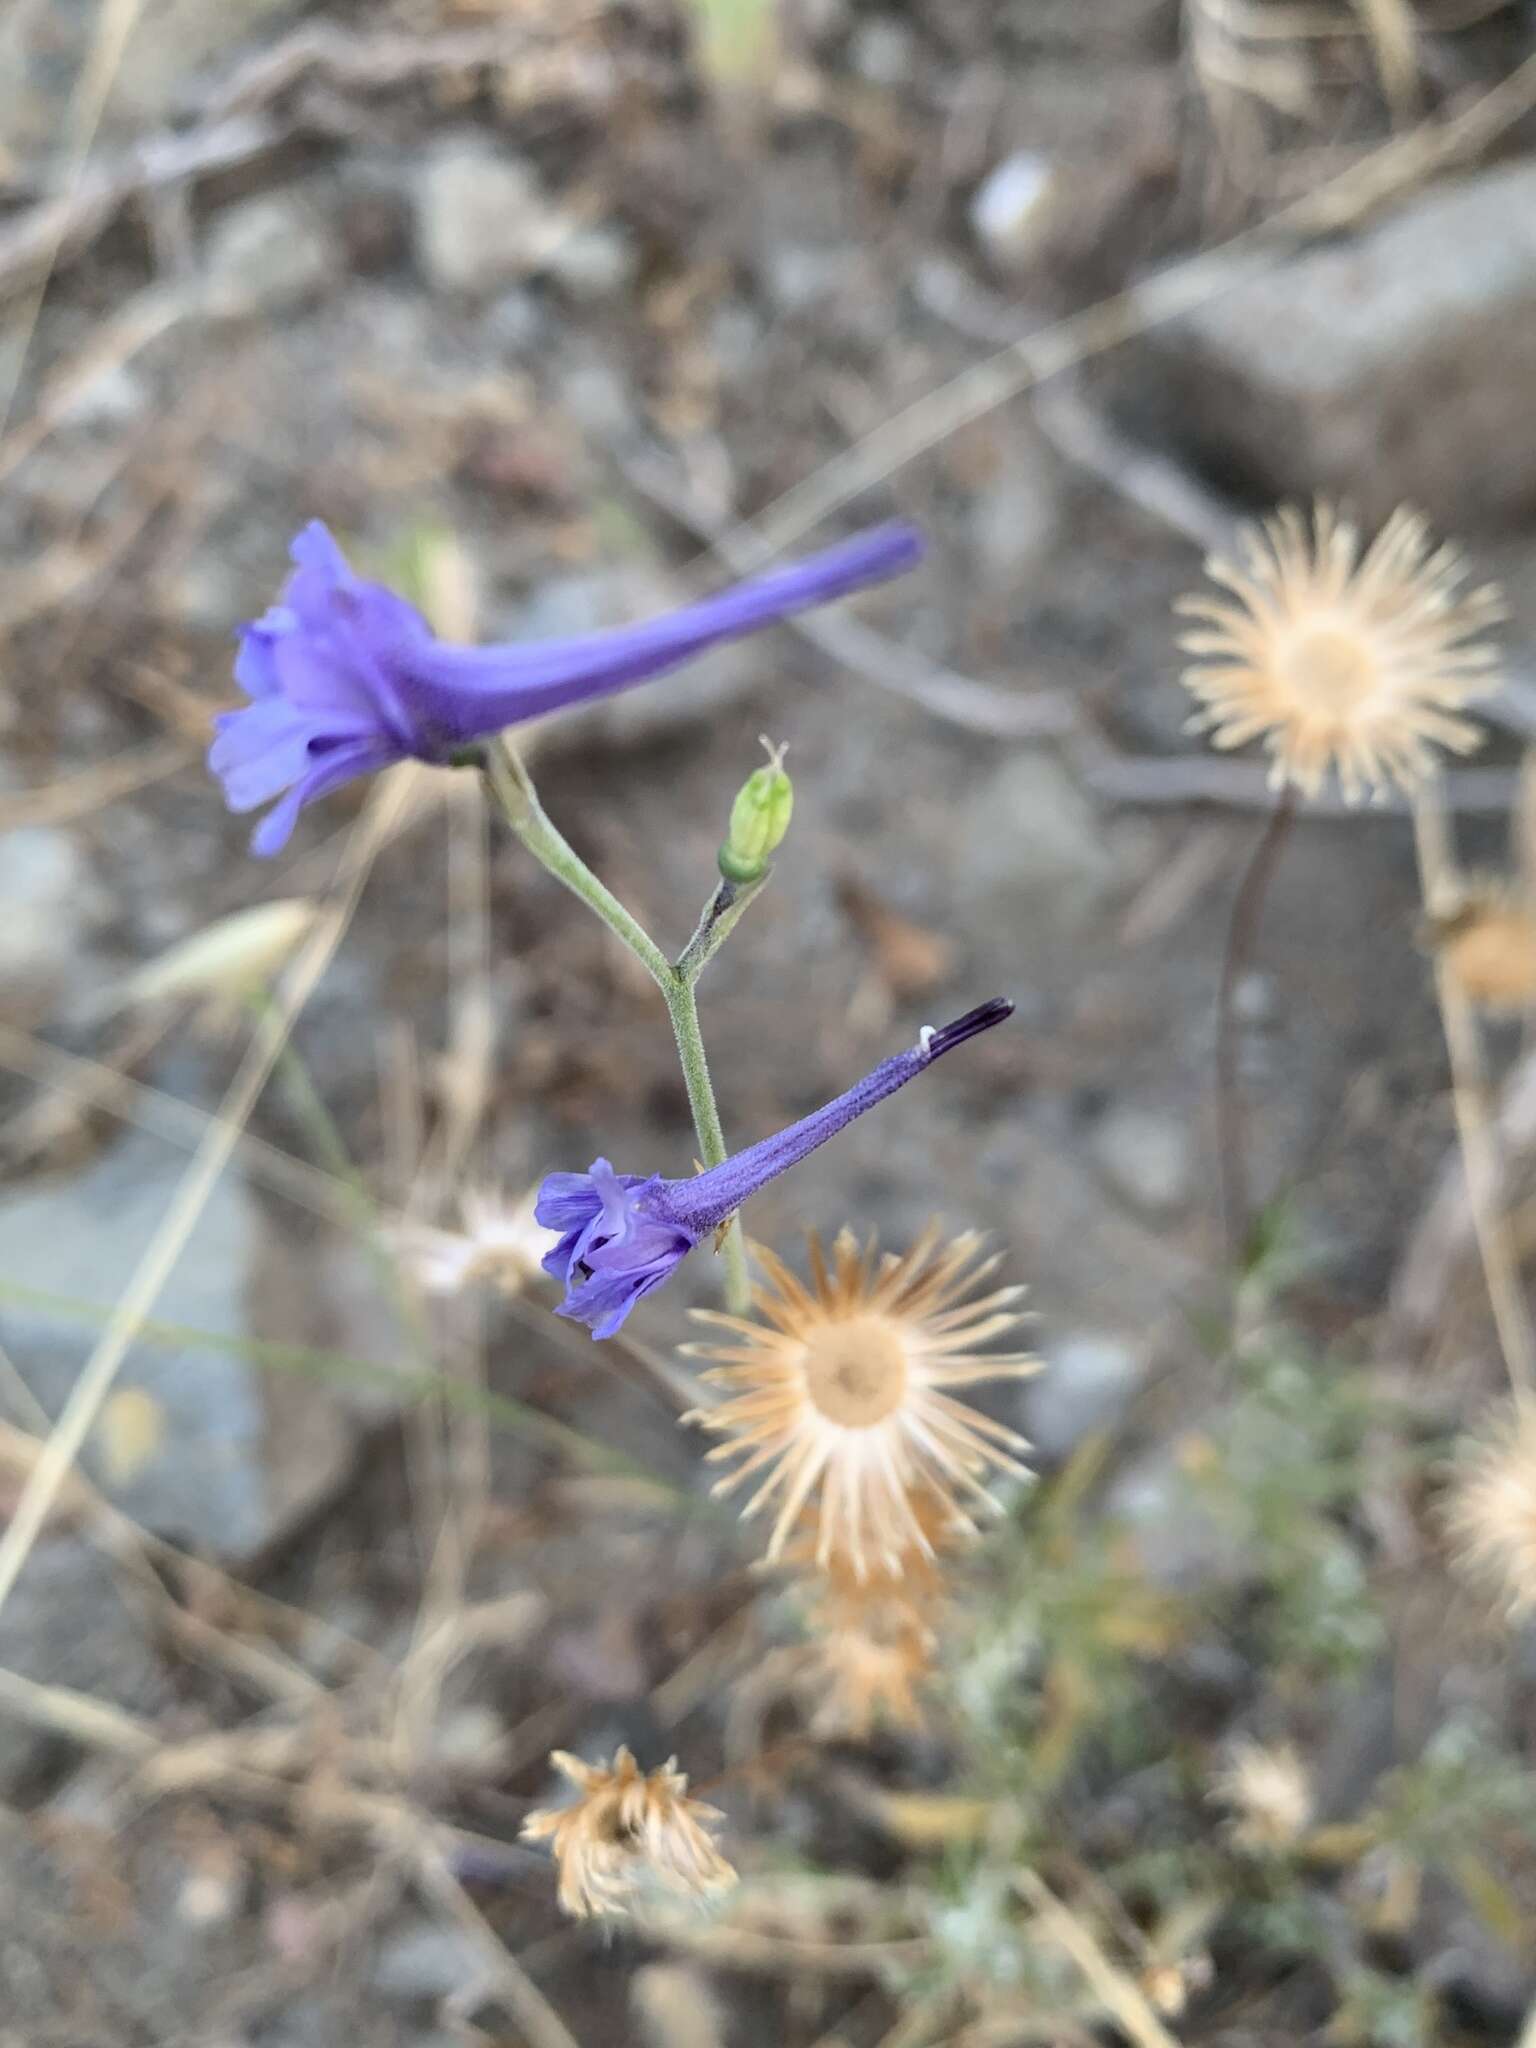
{"x":500,"y":1243}
{"x":1488,"y":943}
{"x":1341,"y":658}
{"x":1491,"y":1510}
{"x":864,"y":1677}
{"x":841,"y":1396}
{"x":1269,"y":1792}
{"x":628,"y":1831}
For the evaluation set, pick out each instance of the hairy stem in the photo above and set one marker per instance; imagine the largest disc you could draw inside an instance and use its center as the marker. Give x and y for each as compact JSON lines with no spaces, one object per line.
{"x":719,"y":919}
{"x":683,"y":1009}
{"x":518,"y":801}
{"x":1231,"y":1136}
{"x":519,"y":804}
{"x":1475,"y":1130}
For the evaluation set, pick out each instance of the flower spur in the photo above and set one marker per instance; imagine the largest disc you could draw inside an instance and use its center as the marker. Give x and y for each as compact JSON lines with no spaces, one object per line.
{"x":623,"y":1233}
{"x":346,"y":678}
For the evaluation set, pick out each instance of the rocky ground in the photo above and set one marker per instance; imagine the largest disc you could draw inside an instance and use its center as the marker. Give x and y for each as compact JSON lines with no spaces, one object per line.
{"x":550,"y":305}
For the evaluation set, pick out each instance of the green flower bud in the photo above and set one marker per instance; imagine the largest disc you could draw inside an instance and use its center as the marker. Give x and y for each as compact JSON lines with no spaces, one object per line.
{"x":759,"y":820}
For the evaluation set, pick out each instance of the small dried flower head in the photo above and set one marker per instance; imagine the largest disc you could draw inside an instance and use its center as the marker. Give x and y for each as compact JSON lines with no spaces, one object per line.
{"x":1341,"y":659}
{"x":629,"y":1832}
{"x":869,"y":1667}
{"x":842,"y":1394}
{"x":874,"y":1633}
{"x":1269,"y":1792}
{"x":501,"y":1243}
{"x":1487,"y":942}
{"x":1491,"y":1510}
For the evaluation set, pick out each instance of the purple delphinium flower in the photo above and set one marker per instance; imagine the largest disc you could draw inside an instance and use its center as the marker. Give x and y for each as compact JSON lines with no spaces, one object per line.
{"x":622,"y":1233}
{"x":345,"y":677}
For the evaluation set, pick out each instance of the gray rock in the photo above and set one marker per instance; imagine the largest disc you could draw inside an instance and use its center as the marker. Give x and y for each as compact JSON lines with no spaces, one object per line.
{"x":426,"y":1961}
{"x":1181,"y":1542}
{"x":1396,"y":365}
{"x":267,"y":255}
{"x":799,"y":275}
{"x":1145,"y":1156}
{"x":1012,"y":205}
{"x":594,"y":263}
{"x":196,"y":1443}
{"x":1089,"y":1380}
{"x":596,"y":396}
{"x":881,"y":50}
{"x":1032,"y":849}
{"x":50,"y":904}
{"x":519,"y":321}
{"x":481,"y":219}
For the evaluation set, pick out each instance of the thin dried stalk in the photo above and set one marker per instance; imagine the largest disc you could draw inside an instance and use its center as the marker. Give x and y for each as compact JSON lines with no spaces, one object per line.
{"x":1475,"y":1130}
{"x":1122,"y":1998}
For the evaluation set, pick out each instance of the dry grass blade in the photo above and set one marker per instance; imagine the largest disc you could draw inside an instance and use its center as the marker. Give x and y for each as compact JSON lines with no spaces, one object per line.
{"x":95,"y":1085}
{"x":1122,"y":1997}
{"x":77,"y":1716}
{"x":152,"y":313}
{"x":170,"y":1240}
{"x":1475,"y":1128}
{"x":541,"y":2025}
{"x":1394,"y":39}
{"x":115,"y":23}
{"x":82,"y":795}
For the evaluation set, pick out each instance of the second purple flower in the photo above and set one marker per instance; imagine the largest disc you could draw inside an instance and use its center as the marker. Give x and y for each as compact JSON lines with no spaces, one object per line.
{"x":622,"y":1234}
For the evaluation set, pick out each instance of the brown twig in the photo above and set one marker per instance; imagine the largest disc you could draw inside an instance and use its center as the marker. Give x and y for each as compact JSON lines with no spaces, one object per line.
{"x":1231,"y":1161}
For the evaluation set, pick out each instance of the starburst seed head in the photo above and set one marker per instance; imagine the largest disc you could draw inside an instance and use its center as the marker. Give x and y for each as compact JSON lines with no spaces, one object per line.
{"x":1341,"y":658}
{"x":842,"y":1395}
{"x":1269,"y":1792}
{"x":628,"y":1831}
{"x":1491,"y":1510}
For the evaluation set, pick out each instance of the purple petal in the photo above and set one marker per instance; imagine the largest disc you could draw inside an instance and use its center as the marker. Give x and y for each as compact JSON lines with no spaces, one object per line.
{"x":344,"y":764}
{"x":255,"y":668}
{"x":276,"y":828}
{"x":472,"y":692}
{"x":703,"y":1202}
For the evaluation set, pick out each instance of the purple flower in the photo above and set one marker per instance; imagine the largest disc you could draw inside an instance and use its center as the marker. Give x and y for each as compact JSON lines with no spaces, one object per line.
{"x":345,"y":677}
{"x":622,"y":1233}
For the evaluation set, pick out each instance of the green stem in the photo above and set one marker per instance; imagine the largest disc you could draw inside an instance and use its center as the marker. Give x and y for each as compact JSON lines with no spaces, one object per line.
{"x":720,"y":917}
{"x":683,"y":1009}
{"x":518,"y":801}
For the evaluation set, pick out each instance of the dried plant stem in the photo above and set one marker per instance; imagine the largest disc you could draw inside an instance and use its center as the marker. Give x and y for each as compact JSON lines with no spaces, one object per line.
{"x":1232,"y":1164}
{"x":1121,"y":1996}
{"x":1475,"y":1129}
{"x":517,"y":799}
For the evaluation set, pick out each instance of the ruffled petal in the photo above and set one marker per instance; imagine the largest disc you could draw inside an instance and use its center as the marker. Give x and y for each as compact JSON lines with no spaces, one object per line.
{"x":342,"y":764}
{"x":255,"y":666}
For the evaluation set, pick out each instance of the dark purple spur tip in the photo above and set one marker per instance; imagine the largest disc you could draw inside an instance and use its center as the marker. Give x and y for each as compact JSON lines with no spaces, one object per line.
{"x":982,"y":1018}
